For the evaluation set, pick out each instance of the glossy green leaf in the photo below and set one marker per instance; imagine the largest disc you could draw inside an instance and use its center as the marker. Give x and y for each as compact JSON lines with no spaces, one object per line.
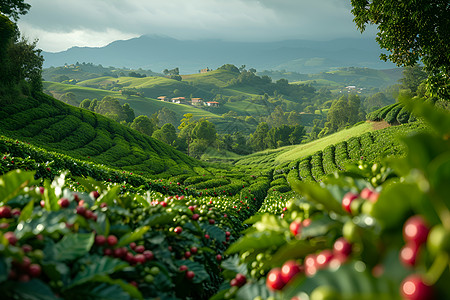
{"x":394,"y":203}
{"x":27,"y":211}
{"x":257,"y":240}
{"x":72,"y":246}
{"x":33,"y":290}
{"x":315,"y":193}
{"x":96,"y":266}
{"x":351,"y":281}
{"x":132,"y":236}
{"x":109,"y":196}
{"x":254,"y":289}
{"x":96,"y":290}
{"x":197,"y":268}
{"x":50,"y":199}
{"x":294,"y":250}
{"x":12,"y":183}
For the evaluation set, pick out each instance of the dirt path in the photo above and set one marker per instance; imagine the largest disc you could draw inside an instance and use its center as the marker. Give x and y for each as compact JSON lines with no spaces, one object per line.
{"x":379,"y":125}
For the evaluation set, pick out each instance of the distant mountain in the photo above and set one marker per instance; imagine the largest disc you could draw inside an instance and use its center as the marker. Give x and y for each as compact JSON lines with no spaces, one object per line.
{"x":159,"y":53}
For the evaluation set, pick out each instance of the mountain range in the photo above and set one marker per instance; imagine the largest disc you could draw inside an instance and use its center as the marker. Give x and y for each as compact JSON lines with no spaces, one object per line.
{"x":158,"y":53}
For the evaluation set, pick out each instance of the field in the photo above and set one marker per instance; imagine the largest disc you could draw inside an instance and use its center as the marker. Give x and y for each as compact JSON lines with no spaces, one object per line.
{"x":169,"y":232}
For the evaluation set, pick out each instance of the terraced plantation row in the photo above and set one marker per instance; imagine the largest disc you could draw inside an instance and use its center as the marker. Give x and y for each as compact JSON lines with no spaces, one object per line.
{"x":79,"y":133}
{"x":393,"y":114}
{"x":369,"y":147}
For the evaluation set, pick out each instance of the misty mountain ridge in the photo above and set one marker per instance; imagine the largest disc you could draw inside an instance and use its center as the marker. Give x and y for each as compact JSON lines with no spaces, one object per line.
{"x":158,"y":53}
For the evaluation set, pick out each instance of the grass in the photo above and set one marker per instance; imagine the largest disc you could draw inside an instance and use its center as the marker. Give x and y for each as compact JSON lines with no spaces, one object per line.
{"x":273,"y":157}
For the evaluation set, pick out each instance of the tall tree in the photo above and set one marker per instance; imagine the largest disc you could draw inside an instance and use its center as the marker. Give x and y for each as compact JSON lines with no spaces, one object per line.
{"x":14,"y":8}
{"x":412,"y":30}
{"x":257,"y":139}
{"x":166,"y":134}
{"x":165,"y":116}
{"x":143,"y":124}
{"x":412,"y":77}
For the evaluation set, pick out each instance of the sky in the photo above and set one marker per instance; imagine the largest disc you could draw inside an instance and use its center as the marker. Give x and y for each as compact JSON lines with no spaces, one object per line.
{"x":60,"y":25}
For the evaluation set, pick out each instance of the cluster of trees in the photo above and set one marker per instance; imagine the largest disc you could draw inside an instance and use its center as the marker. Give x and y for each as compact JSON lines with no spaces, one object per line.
{"x":265,"y":137}
{"x":20,"y":60}
{"x":111,"y":108}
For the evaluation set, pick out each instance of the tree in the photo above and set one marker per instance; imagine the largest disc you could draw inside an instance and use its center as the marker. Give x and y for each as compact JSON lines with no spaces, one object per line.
{"x":25,"y":63}
{"x":110,"y":106}
{"x":257,"y":139}
{"x":14,"y":8}
{"x":85,"y":103}
{"x":93,"y":105}
{"x":129,"y":113}
{"x":343,"y":112}
{"x":143,"y":124}
{"x":412,"y":30}
{"x":165,"y":116}
{"x":412,"y":77}
{"x":297,"y":135}
{"x":166,"y":134}
{"x":69,"y":98}
{"x":205,"y":130}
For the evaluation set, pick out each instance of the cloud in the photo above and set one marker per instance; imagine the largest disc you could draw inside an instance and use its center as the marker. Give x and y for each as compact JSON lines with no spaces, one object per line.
{"x":94,"y":23}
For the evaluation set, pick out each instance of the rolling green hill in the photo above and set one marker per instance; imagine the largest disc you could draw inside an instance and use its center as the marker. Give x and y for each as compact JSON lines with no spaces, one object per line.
{"x":55,"y":126}
{"x":385,"y":139}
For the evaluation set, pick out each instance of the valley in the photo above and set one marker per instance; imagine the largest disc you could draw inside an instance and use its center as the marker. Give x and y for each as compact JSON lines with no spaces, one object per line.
{"x":285,"y":170}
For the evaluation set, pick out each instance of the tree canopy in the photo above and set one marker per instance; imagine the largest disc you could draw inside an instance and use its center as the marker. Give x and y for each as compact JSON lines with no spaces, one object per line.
{"x":14,"y":8}
{"x":412,"y":31}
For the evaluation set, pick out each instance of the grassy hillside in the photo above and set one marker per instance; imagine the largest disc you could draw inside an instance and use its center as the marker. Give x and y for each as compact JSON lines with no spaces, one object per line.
{"x":55,"y":126}
{"x":141,"y":105}
{"x":276,"y":157}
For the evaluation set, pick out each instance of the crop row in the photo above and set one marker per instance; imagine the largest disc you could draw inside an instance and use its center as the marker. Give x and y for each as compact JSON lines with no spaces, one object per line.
{"x":79,"y":133}
{"x":393,"y":114}
{"x":369,"y":147}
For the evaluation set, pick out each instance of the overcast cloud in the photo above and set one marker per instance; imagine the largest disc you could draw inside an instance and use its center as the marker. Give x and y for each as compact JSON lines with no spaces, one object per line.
{"x":63,"y":24}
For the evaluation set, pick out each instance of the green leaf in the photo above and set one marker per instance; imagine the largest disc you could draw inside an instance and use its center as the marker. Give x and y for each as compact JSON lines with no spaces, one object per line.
{"x":50,"y":199}
{"x":33,"y":290}
{"x":26,"y":212}
{"x":132,"y":236}
{"x":126,"y":287}
{"x":96,"y":266}
{"x":257,"y":240}
{"x":90,"y":184}
{"x":315,"y":193}
{"x":97,"y":291}
{"x":272,"y":223}
{"x":197,"y":268}
{"x":253,"y":290}
{"x":214,"y":232}
{"x":160,"y":219}
{"x":141,"y":200}
{"x":233,"y":264}
{"x":351,"y":281}
{"x":72,"y":246}
{"x":294,"y":250}
{"x":394,"y":203}
{"x":13,"y":182}
{"x":110,"y":196}
{"x":102,"y":225}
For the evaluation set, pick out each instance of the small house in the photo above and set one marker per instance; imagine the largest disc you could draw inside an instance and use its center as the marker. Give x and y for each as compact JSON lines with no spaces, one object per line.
{"x":212,"y":104}
{"x":179,"y":100}
{"x":163,"y":98}
{"x":196,"y":101}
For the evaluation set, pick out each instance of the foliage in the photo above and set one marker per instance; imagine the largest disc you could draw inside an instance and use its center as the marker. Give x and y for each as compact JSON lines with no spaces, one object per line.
{"x":14,"y":8}
{"x":313,"y":228}
{"x":411,"y":31}
{"x":144,"y":125}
